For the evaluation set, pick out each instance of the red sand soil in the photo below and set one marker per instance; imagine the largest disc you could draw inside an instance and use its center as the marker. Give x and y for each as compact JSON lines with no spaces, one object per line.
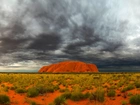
{"x":21,"y":99}
{"x":45,"y":99}
{"x":70,"y":66}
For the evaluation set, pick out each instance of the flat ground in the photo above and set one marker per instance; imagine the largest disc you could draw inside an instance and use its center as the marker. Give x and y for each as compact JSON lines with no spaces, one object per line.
{"x":72,"y":89}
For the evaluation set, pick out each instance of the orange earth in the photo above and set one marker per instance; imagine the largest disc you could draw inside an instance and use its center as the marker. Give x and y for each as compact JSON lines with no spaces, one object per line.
{"x":47,"y":98}
{"x":69,"y":66}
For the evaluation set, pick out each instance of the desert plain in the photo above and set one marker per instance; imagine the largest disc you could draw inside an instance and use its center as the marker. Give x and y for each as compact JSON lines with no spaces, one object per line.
{"x":70,"y":88}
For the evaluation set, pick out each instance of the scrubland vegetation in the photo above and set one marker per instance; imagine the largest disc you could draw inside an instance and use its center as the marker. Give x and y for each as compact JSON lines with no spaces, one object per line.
{"x":96,"y":87}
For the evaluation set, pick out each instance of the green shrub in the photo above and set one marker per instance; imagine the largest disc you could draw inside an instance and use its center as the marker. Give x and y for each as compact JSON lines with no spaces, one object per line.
{"x":111,"y":93}
{"x":67,"y":95}
{"x":6,"y":89}
{"x":98,"y":95}
{"x":32,"y":92}
{"x":13,"y":87}
{"x":50,"y":89}
{"x":20,"y":90}
{"x":135,"y":100}
{"x":124,"y":102}
{"x":33,"y":103}
{"x":129,"y":87}
{"x":120,"y":84}
{"x":41,"y":89}
{"x":55,"y":87}
{"x":124,"y":90}
{"x":4,"y":99}
{"x":59,"y":100}
{"x":112,"y":87}
{"x":86,"y":95}
{"x":2,"y":85}
{"x":76,"y":96}
{"x":137,"y":84}
{"x":130,"y":94}
{"x":63,"y":90}
{"x":92,"y":96}
{"x":51,"y":103}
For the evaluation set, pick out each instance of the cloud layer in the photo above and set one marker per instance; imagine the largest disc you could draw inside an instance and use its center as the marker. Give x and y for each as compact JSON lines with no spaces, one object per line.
{"x":104,"y":32}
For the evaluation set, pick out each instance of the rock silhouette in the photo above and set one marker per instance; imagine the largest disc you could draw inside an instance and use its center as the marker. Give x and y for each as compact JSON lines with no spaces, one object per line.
{"x":69,"y":66}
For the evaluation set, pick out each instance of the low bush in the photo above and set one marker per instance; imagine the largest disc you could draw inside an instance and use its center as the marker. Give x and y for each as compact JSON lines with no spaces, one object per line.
{"x":2,"y":85}
{"x":120,"y":84}
{"x":50,"y":89}
{"x":41,"y":89}
{"x":124,"y":102}
{"x":111,"y":93}
{"x":129,"y":87}
{"x":6,"y":89}
{"x":92,"y":96}
{"x":76,"y":96}
{"x":33,"y":103}
{"x":137,"y":84}
{"x":13,"y":88}
{"x":56,"y":87}
{"x":20,"y":90}
{"x":98,"y":95}
{"x":124,"y":89}
{"x":4,"y":99}
{"x":67,"y":95}
{"x":59,"y":100}
{"x":86,"y":95}
{"x":63,"y":90}
{"x":112,"y":87}
{"x":135,"y":100}
{"x":32,"y":92}
{"x":130,"y":94}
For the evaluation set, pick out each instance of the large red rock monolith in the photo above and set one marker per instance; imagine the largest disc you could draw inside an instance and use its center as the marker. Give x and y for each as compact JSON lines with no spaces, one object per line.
{"x":69,"y":66}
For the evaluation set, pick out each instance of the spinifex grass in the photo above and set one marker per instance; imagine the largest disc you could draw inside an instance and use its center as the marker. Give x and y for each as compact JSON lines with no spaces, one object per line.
{"x":36,"y":84}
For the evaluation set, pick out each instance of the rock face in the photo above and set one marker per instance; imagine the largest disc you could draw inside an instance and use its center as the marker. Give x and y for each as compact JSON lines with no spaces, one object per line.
{"x":69,"y":66}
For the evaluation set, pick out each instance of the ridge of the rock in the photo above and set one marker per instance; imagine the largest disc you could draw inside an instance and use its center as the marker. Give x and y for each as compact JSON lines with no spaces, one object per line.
{"x":69,"y":66}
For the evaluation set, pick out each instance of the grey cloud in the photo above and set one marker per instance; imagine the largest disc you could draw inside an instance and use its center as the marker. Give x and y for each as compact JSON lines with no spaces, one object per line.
{"x":81,"y":36}
{"x":45,"y":42}
{"x":8,"y":45}
{"x":96,"y":31}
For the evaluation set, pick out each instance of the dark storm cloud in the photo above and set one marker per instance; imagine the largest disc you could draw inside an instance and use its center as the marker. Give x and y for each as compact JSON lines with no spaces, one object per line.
{"x":45,"y":42}
{"x":102,"y":32}
{"x":83,"y":36}
{"x":111,"y":46}
{"x":11,"y":45}
{"x":126,"y":64}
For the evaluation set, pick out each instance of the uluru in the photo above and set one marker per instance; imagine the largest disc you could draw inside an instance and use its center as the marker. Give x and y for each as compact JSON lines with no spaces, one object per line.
{"x":69,"y":67}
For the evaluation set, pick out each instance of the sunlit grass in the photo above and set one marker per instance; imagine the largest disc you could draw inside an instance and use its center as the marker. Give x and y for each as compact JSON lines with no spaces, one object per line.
{"x":36,"y":84}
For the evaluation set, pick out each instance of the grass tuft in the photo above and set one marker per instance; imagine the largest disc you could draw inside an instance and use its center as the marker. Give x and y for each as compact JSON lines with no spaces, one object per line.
{"x":4,"y":99}
{"x":32,"y":92}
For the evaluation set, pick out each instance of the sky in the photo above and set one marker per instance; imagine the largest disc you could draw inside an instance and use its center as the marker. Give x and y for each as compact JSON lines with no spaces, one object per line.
{"x":34,"y":33}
